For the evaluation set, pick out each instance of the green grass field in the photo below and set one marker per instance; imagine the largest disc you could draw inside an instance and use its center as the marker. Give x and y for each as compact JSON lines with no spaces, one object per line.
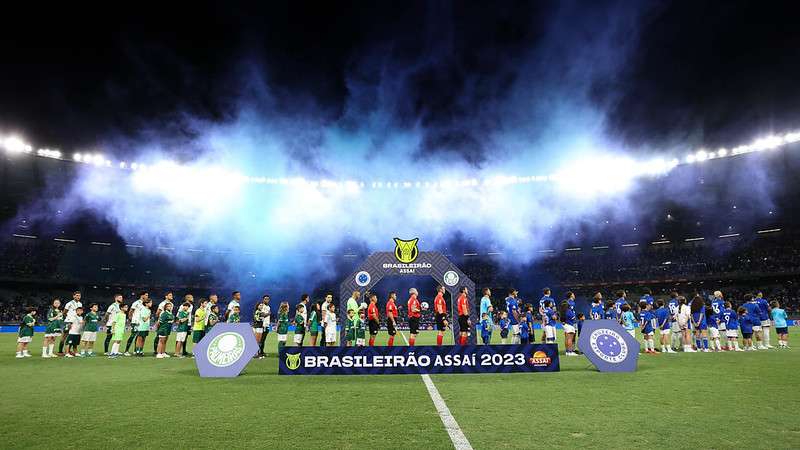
{"x":725,"y":400}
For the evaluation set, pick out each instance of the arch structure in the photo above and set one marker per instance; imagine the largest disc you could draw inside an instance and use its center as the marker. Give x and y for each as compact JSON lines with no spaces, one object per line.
{"x":385,"y":264}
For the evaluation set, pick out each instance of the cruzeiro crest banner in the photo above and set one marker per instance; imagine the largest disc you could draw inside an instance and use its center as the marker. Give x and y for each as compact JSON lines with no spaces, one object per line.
{"x":418,"y":360}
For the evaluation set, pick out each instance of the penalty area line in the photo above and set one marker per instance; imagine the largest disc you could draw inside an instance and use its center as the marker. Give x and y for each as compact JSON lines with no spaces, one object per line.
{"x":457,"y":436}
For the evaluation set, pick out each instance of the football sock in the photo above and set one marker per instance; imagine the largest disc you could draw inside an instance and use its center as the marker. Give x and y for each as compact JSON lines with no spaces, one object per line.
{"x":439,"y":339}
{"x":61,"y":346}
{"x":115,"y":348}
{"x":705,"y":344}
{"x":412,"y":340}
{"x":44,"y":351}
{"x":372,"y":341}
{"x":391,"y":341}
{"x":766,"y":336}
{"x":50,"y":348}
{"x":106,"y":342}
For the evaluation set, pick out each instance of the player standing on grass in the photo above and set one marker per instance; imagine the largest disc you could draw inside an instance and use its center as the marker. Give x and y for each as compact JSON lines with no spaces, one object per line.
{"x":133,"y":314}
{"x":111,"y":311}
{"x":142,"y":327}
{"x":569,"y":321}
{"x":330,"y":326}
{"x":70,"y":316}
{"x":182,"y":318}
{"x":391,"y":317}
{"x":163,"y":330}
{"x":89,"y":334}
{"x":313,"y":322}
{"x":486,"y":303}
{"x":718,"y":305}
{"x":674,"y":307}
{"x":373,"y":318}
{"x":549,"y":321}
{"x":731,"y":319}
{"x":299,"y":324}
{"x":414,"y":313}
{"x":160,"y":309}
{"x":440,"y":312}
{"x":754,"y":320}
{"x":283,"y":324}
{"x":118,"y":326}
{"x":463,"y":316}
{"x":664,"y":321}
{"x":781,"y":327}
{"x":764,"y":317}
{"x":646,"y":320}
{"x":200,"y":321}
{"x":512,"y":307}
{"x":53,"y":330}
{"x":712,"y":321}
{"x":25,"y":335}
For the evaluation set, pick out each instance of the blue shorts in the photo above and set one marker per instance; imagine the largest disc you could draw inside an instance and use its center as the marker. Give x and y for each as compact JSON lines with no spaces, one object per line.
{"x":782,"y":330}
{"x":701,"y":326}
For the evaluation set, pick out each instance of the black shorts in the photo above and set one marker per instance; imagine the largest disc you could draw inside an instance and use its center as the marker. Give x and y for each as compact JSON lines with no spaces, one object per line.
{"x":374,"y":326}
{"x":463,"y":324}
{"x":413,"y":325}
{"x":504,"y":333}
{"x":441,"y":321}
{"x":782,"y":330}
{"x":390,"y":327}
{"x":747,"y":335}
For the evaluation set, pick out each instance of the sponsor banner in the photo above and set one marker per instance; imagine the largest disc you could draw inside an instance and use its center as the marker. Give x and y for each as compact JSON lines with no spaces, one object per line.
{"x":418,"y":360}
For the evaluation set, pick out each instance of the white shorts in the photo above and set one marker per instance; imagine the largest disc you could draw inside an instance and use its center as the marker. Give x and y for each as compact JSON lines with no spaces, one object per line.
{"x":652,"y":333}
{"x":549,"y":332}
{"x":330,"y":335}
{"x":631,"y":332}
{"x":722,"y":326}
{"x":24,"y":340}
{"x":666,"y":332}
{"x":258,"y":330}
{"x":52,"y":335}
{"x":569,"y":328}
{"x":281,"y":338}
{"x":766,"y":323}
{"x":756,"y":328}
{"x":514,"y":329}
{"x":89,"y":336}
{"x":360,"y":342}
{"x":298,"y":338}
{"x":675,"y":327}
{"x":181,"y":336}
{"x":732,"y":334}
{"x":713,"y":333}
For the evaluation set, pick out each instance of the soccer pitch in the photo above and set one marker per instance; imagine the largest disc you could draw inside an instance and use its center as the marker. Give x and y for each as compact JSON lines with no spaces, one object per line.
{"x":701,"y":400}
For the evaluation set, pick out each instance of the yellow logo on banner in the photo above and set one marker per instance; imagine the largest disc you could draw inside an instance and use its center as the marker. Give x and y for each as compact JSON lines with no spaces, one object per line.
{"x":292,"y":361}
{"x":406,"y":251}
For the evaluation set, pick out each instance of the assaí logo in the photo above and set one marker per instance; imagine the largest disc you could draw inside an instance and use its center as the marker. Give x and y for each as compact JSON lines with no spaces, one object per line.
{"x":540,"y":359}
{"x":292,"y":361}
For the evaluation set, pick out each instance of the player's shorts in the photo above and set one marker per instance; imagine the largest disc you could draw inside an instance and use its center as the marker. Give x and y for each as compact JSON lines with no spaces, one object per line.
{"x":298,"y":338}
{"x":330,"y":335}
{"x":181,"y":336}
{"x":142,"y":333}
{"x":569,"y":328}
{"x":314,"y":332}
{"x":713,"y":332}
{"x":258,"y":330}
{"x":756,"y":328}
{"x":782,"y":330}
{"x":747,"y":335}
{"x":360,"y":342}
{"x":504,"y":333}
{"x":390,"y":328}
{"x":650,"y":333}
{"x":666,"y":331}
{"x":675,"y":327}
{"x":374,"y":326}
{"x":722,"y":327}
{"x":531,"y":338}
{"x":463,"y":324}
{"x":766,"y":323}
{"x":733,"y":334}
{"x":197,"y":336}
{"x":515,"y":329}
{"x":441,"y":321}
{"x":701,"y":326}
{"x":52,"y":335}
{"x":164,"y":333}
{"x":549,"y":332}
{"x":282,"y":338}
{"x":413,"y":325}
{"x":89,"y":336}
{"x":74,"y":339}
{"x":24,"y":339}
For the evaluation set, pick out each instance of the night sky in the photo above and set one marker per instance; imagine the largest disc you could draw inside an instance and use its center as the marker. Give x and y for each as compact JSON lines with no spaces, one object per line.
{"x":705,"y":71}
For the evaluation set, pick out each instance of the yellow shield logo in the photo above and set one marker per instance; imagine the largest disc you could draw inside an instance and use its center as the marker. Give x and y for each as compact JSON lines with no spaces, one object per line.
{"x":292,"y":361}
{"x":406,"y":251}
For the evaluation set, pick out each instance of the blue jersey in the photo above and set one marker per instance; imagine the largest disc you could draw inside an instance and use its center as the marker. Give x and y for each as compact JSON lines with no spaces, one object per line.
{"x":712,"y":321}
{"x":611,"y":314}
{"x":550,"y":317}
{"x":529,"y":318}
{"x":524,"y":331}
{"x":512,"y":306}
{"x":618,"y":305}
{"x":663,"y":318}
{"x":569,"y":317}
{"x":544,"y":299}
{"x":779,"y":316}
{"x":746,"y":324}
{"x":503,"y":324}
{"x":718,"y":305}
{"x":730,"y":318}
{"x":647,"y":298}
{"x":699,"y":320}
{"x":628,"y":320}
{"x":571,"y":304}
{"x":674,"y":308}
{"x":486,"y":327}
{"x":597,"y":312}
{"x":753,"y":310}
{"x":763,"y":309}
{"x":646,"y":321}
